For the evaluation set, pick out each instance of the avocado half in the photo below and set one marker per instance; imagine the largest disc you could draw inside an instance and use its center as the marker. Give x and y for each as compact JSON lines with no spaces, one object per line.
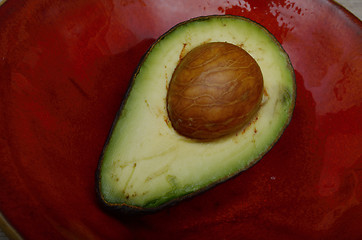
{"x":146,"y":165}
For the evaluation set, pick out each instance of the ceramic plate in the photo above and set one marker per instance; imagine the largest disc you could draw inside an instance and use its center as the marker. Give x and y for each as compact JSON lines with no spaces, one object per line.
{"x":64,"y":68}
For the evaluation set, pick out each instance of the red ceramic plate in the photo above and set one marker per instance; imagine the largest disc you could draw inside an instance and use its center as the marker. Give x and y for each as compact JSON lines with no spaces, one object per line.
{"x":64,"y":67}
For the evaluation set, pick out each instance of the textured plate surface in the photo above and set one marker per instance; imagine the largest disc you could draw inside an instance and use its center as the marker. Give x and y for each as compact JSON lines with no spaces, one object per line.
{"x":65,"y":66}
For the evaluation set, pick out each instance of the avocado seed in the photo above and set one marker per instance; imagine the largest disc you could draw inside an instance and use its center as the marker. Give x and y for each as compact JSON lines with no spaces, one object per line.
{"x":215,"y":90}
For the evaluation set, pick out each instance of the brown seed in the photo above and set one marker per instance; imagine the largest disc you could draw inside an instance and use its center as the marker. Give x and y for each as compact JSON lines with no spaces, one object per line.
{"x":214,"y":91}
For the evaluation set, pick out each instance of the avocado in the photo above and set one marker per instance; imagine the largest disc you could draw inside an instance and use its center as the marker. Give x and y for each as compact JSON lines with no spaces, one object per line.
{"x":146,"y":164}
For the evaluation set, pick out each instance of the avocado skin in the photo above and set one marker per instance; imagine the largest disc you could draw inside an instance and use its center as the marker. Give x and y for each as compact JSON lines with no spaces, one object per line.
{"x":125,"y":209}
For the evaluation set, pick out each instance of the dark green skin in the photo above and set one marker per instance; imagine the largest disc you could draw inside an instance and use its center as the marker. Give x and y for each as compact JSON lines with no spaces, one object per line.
{"x":124,"y":209}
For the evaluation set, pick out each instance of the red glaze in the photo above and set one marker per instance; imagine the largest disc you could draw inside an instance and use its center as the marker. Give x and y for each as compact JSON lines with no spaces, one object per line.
{"x":64,"y":67}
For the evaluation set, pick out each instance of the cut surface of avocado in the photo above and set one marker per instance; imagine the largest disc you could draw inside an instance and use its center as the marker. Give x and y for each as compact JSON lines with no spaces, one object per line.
{"x":146,"y":164}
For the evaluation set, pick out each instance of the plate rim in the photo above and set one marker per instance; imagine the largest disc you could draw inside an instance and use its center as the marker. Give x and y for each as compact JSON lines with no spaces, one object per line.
{"x":8,"y":229}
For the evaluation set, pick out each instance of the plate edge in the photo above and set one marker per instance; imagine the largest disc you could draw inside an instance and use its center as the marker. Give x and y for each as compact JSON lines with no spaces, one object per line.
{"x":8,"y":229}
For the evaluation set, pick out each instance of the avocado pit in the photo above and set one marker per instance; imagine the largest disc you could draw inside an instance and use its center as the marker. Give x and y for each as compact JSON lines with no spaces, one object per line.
{"x":214,"y":91}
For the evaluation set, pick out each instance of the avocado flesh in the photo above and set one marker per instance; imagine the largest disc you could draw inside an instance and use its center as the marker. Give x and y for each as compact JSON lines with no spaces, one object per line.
{"x":146,"y":164}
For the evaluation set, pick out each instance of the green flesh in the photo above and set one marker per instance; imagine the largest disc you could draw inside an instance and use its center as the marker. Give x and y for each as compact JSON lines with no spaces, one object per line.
{"x":146,"y":164}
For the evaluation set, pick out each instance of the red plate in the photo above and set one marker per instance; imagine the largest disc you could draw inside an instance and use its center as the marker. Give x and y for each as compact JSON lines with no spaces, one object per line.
{"x":64,"y":67}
